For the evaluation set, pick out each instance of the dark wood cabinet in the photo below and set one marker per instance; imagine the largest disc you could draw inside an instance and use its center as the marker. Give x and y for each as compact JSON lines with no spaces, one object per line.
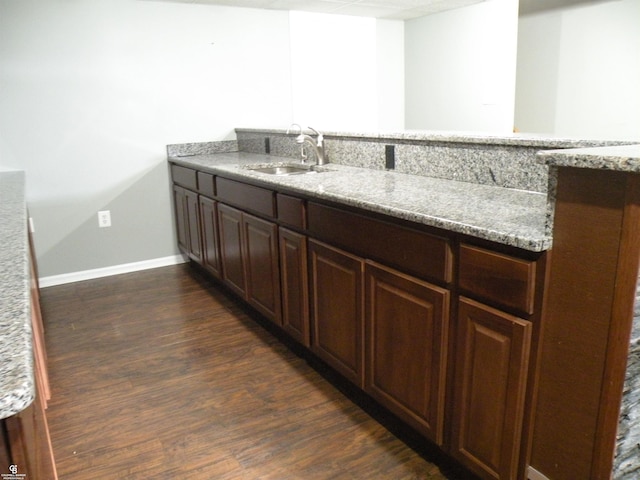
{"x":249,"y":258}
{"x":406,"y":347}
{"x":294,"y":281}
{"x":262,"y":266}
{"x":188,"y":222}
{"x":439,"y":331}
{"x":491,"y":375}
{"x":180,"y":211}
{"x":232,"y":257}
{"x":210,"y":243}
{"x":336,"y":279}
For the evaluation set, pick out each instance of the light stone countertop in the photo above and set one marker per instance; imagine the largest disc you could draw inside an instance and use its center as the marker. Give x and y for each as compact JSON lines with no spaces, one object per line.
{"x":622,"y":158}
{"x":512,"y":217}
{"x":17,"y":388}
{"x":543,"y":141}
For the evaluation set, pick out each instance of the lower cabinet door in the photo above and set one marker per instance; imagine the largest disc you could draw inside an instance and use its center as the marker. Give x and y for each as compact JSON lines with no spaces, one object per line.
{"x":295,"y":285}
{"x":262,"y":266}
{"x":406,"y":347}
{"x":336,"y":309}
{"x":491,"y":376}
{"x":182,"y":222}
{"x":210,"y":250}
{"x":193,"y":221}
{"x":231,"y":250}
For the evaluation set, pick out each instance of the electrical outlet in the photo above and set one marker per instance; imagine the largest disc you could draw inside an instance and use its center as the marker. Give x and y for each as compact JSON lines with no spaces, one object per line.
{"x":104,"y":218}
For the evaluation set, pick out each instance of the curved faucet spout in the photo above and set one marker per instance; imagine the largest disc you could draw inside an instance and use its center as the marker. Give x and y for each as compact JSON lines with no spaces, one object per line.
{"x":317,"y":144}
{"x":294,"y":125}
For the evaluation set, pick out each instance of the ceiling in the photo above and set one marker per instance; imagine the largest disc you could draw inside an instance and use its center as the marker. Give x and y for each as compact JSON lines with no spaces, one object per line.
{"x":387,"y":9}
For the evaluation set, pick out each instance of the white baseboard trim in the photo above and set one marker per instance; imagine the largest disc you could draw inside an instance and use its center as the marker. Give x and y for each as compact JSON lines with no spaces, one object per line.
{"x":533,"y":474}
{"x":108,"y":271}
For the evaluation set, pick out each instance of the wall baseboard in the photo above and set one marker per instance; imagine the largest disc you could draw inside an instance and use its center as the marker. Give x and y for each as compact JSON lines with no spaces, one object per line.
{"x":108,"y":271}
{"x":533,"y":474}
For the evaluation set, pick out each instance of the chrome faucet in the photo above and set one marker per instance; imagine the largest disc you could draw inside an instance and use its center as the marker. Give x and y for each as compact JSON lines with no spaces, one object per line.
{"x":316,"y":144}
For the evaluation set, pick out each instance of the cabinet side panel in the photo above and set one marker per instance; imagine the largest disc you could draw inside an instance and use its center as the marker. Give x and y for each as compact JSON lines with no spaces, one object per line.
{"x":576,"y":322}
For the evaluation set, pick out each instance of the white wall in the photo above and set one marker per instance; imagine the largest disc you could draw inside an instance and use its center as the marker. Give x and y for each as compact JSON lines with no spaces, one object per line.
{"x":390,"y":75}
{"x":92,"y":91}
{"x":345,"y":72}
{"x":461,"y":67}
{"x":579,"y":71}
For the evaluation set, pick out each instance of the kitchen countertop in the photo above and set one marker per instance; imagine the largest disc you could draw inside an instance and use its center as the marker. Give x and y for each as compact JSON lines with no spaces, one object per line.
{"x":512,"y":217}
{"x":622,"y":158}
{"x":543,"y":141}
{"x":17,"y":388}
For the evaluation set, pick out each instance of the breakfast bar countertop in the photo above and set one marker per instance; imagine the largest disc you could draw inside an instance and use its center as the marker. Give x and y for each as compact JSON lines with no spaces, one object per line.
{"x":512,"y":217}
{"x":17,"y":388}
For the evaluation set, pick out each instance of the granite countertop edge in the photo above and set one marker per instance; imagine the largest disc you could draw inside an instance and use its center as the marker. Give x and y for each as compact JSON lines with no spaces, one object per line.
{"x":511,"y":217}
{"x":17,"y":381}
{"x":621,"y":158}
{"x":444,"y":136}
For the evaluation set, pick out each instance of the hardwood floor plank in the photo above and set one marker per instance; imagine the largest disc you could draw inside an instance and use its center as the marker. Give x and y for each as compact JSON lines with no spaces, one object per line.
{"x":159,"y":374}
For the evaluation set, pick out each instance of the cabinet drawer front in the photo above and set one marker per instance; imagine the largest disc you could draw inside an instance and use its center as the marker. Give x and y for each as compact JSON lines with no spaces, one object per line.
{"x":248,"y":197}
{"x":291,"y":210}
{"x":421,"y":254}
{"x":206,"y":184}
{"x":184,"y":176}
{"x":495,"y":277}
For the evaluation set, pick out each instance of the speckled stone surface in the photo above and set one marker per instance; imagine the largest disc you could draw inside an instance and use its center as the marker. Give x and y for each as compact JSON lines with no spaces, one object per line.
{"x":505,"y":161}
{"x":622,"y":158}
{"x":520,"y":139}
{"x":627,"y":460}
{"x":189,"y":149}
{"x":508,"y":216}
{"x":17,"y":388}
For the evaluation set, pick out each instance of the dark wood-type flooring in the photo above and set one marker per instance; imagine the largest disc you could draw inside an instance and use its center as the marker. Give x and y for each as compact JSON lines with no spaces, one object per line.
{"x":161,"y":374}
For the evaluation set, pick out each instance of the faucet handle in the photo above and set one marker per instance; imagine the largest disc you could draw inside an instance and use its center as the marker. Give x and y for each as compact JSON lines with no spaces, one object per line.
{"x":320,"y":137}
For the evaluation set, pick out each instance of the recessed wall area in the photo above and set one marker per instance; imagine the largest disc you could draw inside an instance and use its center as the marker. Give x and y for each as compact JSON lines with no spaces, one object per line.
{"x":566,"y":68}
{"x":579,"y":71}
{"x":460,"y":68}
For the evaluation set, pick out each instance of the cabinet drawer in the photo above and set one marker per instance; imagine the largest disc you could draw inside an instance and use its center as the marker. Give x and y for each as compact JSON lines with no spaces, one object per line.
{"x":248,"y":197}
{"x":206,"y":184}
{"x":184,"y":176}
{"x":412,"y":251}
{"x":502,"y":279}
{"x":291,"y":210}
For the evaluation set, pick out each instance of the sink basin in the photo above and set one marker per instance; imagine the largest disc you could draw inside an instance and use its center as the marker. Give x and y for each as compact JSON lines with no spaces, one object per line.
{"x":284,"y":169}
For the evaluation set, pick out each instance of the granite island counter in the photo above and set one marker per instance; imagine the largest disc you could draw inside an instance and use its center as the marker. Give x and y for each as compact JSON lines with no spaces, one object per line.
{"x":17,"y":378}
{"x":504,"y":206}
{"x":24,"y":386}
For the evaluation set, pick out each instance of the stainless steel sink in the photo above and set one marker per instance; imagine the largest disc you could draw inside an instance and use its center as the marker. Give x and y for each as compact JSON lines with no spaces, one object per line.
{"x":285,"y":169}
